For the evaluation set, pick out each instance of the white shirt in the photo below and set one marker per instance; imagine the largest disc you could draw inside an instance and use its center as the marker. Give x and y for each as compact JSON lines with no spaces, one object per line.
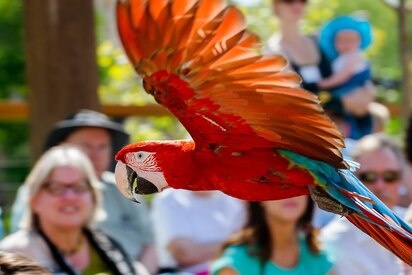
{"x":30,"y":244}
{"x":408,"y":215}
{"x":310,"y":73}
{"x":340,"y":63}
{"x":354,"y":252}
{"x":203,"y":219}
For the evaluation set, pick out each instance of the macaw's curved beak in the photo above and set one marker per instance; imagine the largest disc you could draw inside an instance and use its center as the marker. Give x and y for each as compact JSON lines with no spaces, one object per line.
{"x":130,"y":183}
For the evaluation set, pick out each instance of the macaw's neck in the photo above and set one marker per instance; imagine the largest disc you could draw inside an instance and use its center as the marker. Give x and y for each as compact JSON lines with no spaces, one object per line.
{"x":180,"y":168}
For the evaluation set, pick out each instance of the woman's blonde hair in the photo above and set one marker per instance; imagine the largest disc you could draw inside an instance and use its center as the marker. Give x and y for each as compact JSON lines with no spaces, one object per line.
{"x":60,"y":156}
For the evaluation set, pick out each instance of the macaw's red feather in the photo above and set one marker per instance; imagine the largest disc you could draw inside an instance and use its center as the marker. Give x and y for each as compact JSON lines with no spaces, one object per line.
{"x":255,"y":132}
{"x":383,"y":229}
{"x":390,"y":239}
{"x":272,"y":177}
{"x":218,"y":85}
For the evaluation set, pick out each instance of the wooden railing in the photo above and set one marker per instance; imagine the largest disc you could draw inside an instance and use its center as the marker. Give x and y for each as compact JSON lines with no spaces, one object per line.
{"x":15,"y":110}
{"x":19,"y":110}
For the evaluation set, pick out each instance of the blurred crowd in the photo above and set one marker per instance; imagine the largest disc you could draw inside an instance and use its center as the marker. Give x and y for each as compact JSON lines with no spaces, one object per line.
{"x":69,"y":217}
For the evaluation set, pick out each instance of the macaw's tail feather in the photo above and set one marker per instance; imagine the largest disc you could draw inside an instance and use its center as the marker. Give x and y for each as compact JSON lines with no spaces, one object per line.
{"x":387,"y":229}
{"x":397,"y":241}
{"x":377,"y":220}
{"x":340,"y":192}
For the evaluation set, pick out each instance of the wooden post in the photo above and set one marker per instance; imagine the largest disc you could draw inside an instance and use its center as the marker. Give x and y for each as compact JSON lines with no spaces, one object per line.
{"x":402,"y":8}
{"x":405,"y":57}
{"x":60,"y":63}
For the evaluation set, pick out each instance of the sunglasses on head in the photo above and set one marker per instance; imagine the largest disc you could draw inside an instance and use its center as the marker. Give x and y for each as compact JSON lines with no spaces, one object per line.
{"x":372,"y":177}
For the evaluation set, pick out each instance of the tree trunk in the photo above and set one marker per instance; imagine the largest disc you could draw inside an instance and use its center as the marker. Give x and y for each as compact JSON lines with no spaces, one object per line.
{"x":60,"y":63}
{"x":405,"y":57}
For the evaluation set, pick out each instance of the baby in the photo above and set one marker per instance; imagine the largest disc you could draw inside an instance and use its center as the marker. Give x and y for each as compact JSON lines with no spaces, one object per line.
{"x":343,"y":40}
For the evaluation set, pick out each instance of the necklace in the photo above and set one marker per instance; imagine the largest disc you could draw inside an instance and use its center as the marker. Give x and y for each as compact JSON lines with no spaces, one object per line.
{"x":70,"y":252}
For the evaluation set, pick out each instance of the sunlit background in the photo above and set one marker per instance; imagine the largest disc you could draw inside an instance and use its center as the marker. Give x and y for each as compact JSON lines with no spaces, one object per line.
{"x":118,"y":84}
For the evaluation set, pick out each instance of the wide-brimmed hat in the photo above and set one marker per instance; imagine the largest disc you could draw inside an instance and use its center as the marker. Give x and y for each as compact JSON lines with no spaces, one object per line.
{"x":87,"y":118}
{"x":329,"y":31}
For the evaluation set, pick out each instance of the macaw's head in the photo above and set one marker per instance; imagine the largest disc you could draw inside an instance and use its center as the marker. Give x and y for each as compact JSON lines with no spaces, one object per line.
{"x":141,"y":166}
{"x":137,"y":170}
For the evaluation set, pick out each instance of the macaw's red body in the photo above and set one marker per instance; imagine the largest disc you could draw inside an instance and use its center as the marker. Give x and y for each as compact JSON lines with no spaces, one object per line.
{"x":256,"y":134}
{"x":257,"y":174}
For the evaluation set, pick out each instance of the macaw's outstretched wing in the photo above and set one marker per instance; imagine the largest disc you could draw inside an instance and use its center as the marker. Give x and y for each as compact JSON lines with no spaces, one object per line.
{"x":197,"y":59}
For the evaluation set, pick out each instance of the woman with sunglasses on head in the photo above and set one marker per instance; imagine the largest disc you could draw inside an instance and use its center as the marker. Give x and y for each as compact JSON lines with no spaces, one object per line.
{"x":381,"y":170}
{"x":62,"y":204}
{"x":301,"y":50}
{"x":278,"y":239}
{"x":307,"y":58}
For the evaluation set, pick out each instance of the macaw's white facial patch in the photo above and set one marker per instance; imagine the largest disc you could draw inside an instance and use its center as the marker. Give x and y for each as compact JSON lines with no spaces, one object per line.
{"x":143,"y":161}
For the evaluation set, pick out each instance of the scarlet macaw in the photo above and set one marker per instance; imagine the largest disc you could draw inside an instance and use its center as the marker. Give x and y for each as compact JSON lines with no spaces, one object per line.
{"x":256,"y":134}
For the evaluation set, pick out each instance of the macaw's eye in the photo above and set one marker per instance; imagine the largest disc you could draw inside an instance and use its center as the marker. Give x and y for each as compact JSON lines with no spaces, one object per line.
{"x":141,"y":156}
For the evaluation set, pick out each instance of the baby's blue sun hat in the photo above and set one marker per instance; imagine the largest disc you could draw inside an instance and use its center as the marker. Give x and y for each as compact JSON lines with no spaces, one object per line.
{"x":329,"y":31}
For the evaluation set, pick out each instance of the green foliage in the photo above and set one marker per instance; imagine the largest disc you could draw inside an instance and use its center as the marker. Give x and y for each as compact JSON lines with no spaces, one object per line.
{"x":14,"y":159}
{"x":155,"y":128}
{"x":118,"y":81}
{"x":395,"y":126}
{"x":15,"y":148}
{"x":260,"y":19}
{"x":13,"y":138}
{"x":12,"y":76}
{"x":120,"y":84}
{"x":14,"y":151}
